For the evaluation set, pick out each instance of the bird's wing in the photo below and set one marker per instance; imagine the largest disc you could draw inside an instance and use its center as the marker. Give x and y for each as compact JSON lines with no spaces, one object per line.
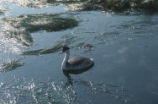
{"x":76,"y":60}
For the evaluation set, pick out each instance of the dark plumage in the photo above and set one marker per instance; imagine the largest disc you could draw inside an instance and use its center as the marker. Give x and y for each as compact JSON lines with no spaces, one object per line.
{"x":75,"y":65}
{"x":65,"y":48}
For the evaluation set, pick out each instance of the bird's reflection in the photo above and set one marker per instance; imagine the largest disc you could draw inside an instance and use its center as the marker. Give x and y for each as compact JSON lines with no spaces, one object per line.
{"x":69,"y":82}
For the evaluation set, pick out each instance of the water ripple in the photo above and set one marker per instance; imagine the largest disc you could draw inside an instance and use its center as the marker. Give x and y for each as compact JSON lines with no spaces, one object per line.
{"x":36,"y":92}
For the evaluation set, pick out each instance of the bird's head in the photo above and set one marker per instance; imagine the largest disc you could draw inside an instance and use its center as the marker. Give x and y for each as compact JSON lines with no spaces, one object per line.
{"x":65,"y":48}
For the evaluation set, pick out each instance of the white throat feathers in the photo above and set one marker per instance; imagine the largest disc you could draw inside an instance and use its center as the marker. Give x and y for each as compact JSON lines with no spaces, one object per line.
{"x":65,"y":60}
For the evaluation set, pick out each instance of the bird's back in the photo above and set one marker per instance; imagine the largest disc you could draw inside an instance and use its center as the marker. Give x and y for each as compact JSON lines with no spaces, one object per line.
{"x":77,"y":60}
{"x":78,"y":65}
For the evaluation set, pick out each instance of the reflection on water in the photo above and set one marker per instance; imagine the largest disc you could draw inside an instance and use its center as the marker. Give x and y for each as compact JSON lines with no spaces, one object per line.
{"x":30,"y":3}
{"x":36,"y":92}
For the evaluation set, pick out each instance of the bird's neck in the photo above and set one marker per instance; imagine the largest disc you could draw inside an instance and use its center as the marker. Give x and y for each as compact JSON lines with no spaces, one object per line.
{"x":67,"y":54}
{"x":66,"y":58}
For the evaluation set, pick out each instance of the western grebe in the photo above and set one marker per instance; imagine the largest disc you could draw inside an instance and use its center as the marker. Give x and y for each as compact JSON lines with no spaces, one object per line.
{"x":75,"y":65}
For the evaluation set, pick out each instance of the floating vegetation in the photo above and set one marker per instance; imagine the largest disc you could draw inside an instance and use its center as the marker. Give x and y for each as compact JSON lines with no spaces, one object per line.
{"x":22,"y":37}
{"x":25,"y":24}
{"x":37,"y":22}
{"x":65,"y":40}
{"x":68,"y":39}
{"x":44,"y":51}
{"x":10,"y":65}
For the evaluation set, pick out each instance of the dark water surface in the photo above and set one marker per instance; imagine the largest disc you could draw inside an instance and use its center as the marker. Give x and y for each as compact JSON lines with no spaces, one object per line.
{"x":124,"y":49}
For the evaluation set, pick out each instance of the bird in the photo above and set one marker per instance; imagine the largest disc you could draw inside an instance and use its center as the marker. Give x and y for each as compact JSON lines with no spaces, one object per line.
{"x":75,"y":65}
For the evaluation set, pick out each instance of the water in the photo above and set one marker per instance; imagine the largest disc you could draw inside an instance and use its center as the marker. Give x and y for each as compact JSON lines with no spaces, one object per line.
{"x":124,"y":49}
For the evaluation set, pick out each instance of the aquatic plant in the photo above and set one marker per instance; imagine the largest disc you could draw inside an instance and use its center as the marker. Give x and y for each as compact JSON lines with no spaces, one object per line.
{"x":59,"y":44}
{"x":43,"y":51}
{"x":8,"y":66}
{"x":115,"y":5}
{"x":37,"y":22}
{"x":149,"y":5}
{"x":68,"y":39}
{"x":25,"y":24}
{"x":143,"y":5}
{"x":22,"y":37}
